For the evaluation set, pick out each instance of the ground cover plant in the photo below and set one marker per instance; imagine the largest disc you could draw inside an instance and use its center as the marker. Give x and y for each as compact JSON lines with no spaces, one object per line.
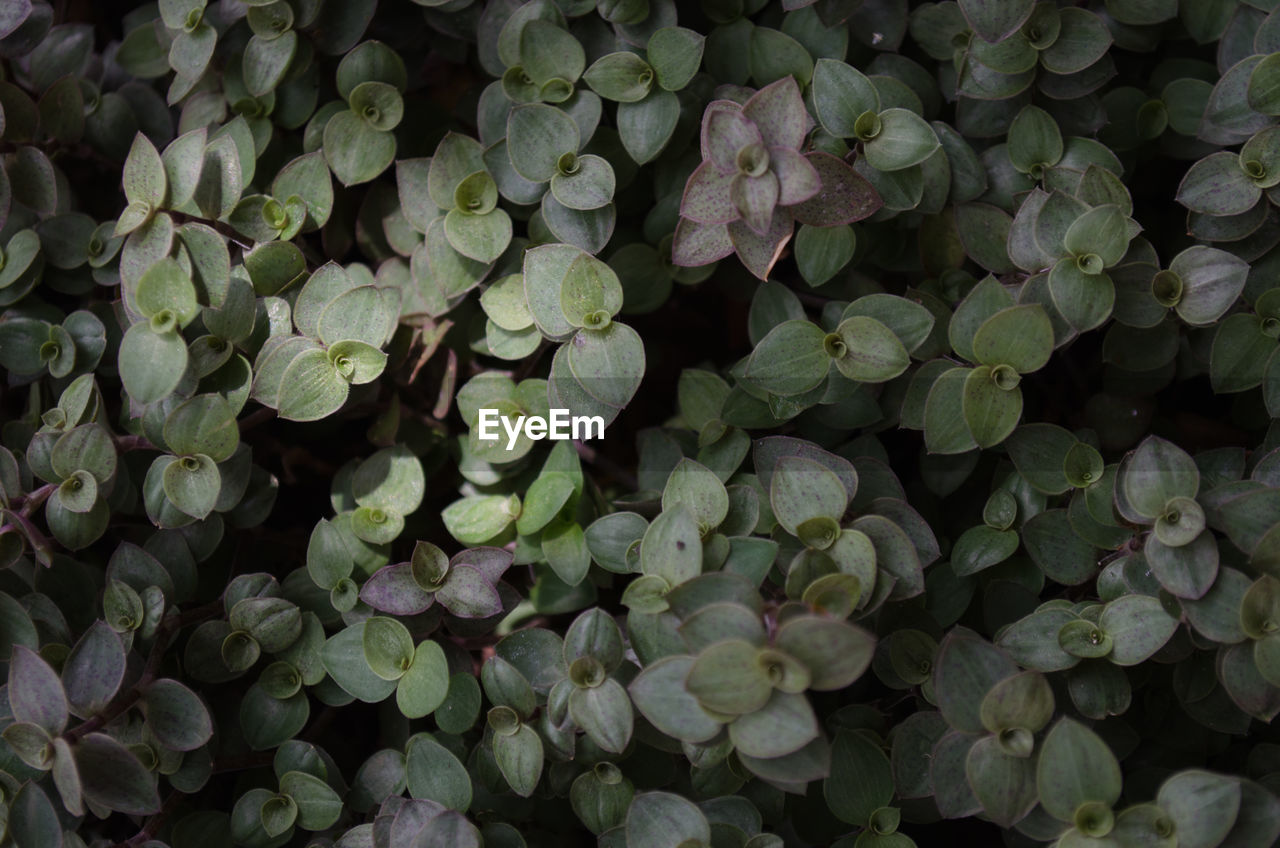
{"x":935,"y":346}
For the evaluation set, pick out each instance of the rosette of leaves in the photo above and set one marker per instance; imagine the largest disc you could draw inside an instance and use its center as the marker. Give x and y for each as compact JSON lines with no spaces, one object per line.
{"x":358,"y":141}
{"x":187,"y":484}
{"x":544,"y":144}
{"x":754,"y":181}
{"x":980,"y":406}
{"x":735,"y":678}
{"x":464,"y":584}
{"x":460,"y":185}
{"x":31,"y":346}
{"x":871,"y":342}
{"x":644,"y":87}
{"x":1244,"y":345}
{"x":572,"y":297}
{"x":307,"y":796}
{"x":544,"y":60}
{"x":1225,"y":184}
{"x":342,"y":323}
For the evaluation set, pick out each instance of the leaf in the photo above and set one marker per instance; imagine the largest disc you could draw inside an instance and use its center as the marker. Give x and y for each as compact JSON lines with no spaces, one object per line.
{"x":1138,"y":627}
{"x":94,"y":670}
{"x":790,"y":360}
{"x":647,"y":125}
{"x":356,"y":151}
{"x":1075,"y":766}
{"x":675,"y":54}
{"x":318,"y":805}
{"x":1217,"y":185}
{"x":176,"y":715}
{"x":144,"y":174}
{"x":841,"y":94}
{"x":151,"y":363}
{"x":35,"y":692}
{"x":860,"y":781}
{"x":1203,"y":806}
{"x":904,"y":139}
{"x":538,"y":135}
{"x":604,"y":712}
{"x":784,"y":725}
{"x":519,"y":757}
{"x":726,"y":678}
{"x":113,"y":778}
{"x":868,"y":351}
{"x":433,"y":773}
{"x":996,"y":21}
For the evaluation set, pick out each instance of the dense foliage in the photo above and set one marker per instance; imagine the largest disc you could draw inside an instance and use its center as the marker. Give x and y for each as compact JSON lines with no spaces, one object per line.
{"x":938,"y":346}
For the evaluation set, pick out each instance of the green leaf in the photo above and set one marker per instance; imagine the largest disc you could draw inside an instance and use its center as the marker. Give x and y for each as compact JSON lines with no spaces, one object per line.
{"x":144,"y":175}
{"x":1019,"y":336}
{"x":622,"y":76}
{"x":344,"y":659}
{"x":311,"y":387}
{"x":821,"y":252}
{"x":1075,"y":767}
{"x":867,"y":350}
{"x":519,"y":756}
{"x":1156,"y":473}
{"x":537,"y":136}
{"x":1203,"y":806}
{"x":790,"y":360}
{"x":1004,"y":784}
{"x":784,"y":725}
{"x":1138,"y":627}
{"x":388,"y":647}
{"x":660,"y":695}
{"x":860,"y":781}
{"x":609,"y":363}
{"x":1035,"y":142}
{"x":672,"y":546}
{"x":151,"y":363}
{"x":192,"y":484}
{"x":1217,"y":185}
{"x":990,"y":405}
{"x":204,"y":424}
{"x":996,"y":21}
{"x":604,"y":713}
{"x":355,"y":150}
{"x":904,"y":139}
{"x":433,"y":773}
{"x":647,"y":125}
{"x":675,"y":54}
{"x":318,"y":805}
{"x":727,"y":678}
{"x":176,"y":716}
{"x":700,"y":489}
{"x":1023,"y":701}
{"x":425,"y":685}
{"x":836,"y":653}
{"x":965,"y":670}
{"x":1085,"y":300}
{"x":663,"y":819}
{"x":1211,"y":280}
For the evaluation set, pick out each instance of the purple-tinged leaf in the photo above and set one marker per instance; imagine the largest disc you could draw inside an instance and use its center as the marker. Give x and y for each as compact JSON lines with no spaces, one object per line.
{"x":392,"y":589}
{"x":846,"y":196}
{"x":798,"y":180}
{"x":94,"y":669}
{"x":760,"y":252}
{"x":697,"y":244}
{"x":707,"y":198}
{"x":492,"y":563}
{"x":721,"y":104}
{"x":467,"y":594}
{"x":725,"y":134}
{"x":113,"y":778}
{"x":35,"y":692}
{"x":755,"y":199}
{"x":778,"y":112}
